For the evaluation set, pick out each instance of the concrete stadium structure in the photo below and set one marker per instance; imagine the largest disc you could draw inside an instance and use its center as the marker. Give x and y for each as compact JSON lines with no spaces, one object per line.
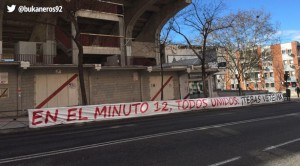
{"x":120,"y":38}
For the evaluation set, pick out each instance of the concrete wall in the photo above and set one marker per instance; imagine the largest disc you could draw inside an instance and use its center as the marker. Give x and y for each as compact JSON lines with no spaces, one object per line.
{"x":100,"y":50}
{"x":176,"y":85}
{"x":43,"y":32}
{"x":27,"y":88}
{"x":97,"y":15}
{"x":145,"y":87}
{"x":115,"y":86}
{"x":124,"y":86}
{"x":28,"y":84}
{"x":174,"y":82}
{"x":9,"y":103}
{"x":143,"y":49}
{"x":1,"y":21}
{"x":25,"y":48}
{"x":104,"y":86}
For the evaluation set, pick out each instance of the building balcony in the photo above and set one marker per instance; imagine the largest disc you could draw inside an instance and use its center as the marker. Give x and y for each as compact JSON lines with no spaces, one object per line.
{"x":99,"y":41}
{"x":289,"y":67}
{"x":35,"y":59}
{"x":292,"y":79}
{"x":104,"y":45}
{"x":253,"y":80}
{"x":269,"y":80}
{"x":269,"y":68}
{"x":271,"y":89}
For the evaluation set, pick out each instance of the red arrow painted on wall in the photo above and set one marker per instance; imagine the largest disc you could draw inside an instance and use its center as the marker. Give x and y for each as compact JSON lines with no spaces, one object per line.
{"x":56,"y":91}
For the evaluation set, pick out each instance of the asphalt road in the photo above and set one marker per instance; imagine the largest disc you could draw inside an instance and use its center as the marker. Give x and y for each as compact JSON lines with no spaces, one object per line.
{"x":256,"y":135}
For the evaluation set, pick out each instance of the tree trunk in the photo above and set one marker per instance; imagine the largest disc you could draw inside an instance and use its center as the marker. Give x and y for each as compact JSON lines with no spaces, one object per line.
{"x":205,"y":93}
{"x":239,"y":83}
{"x":70,"y":8}
{"x":203,"y":70}
{"x":81,"y":74}
{"x":162,"y":71}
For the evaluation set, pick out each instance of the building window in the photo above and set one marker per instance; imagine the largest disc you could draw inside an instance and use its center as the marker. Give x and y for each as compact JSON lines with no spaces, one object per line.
{"x":283,"y":51}
{"x":271,"y":74}
{"x":257,"y":76}
{"x":291,"y":62}
{"x":294,"y":84}
{"x":272,"y":85}
{"x":292,"y":73}
{"x":232,"y":86}
{"x":195,"y":89}
{"x":289,"y":51}
{"x":267,"y":85}
{"x":285,"y":62}
{"x":266,"y":75}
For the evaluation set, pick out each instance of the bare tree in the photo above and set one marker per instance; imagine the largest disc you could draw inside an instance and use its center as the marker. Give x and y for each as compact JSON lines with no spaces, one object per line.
{"x":164,"y":40}
{"x":201,"y":20}
{"x":70,"y":7}
{"x":250,"y":30}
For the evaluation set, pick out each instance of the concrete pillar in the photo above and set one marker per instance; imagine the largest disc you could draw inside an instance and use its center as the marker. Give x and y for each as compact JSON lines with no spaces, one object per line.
{"x":132,"y":15}
{"x":50,"y":29}
{"x":44,"y":31}
{"x":2,"y":5}
{"x":128,"y":51}
{"x":122,"y":40}
{"x":75,"y":50}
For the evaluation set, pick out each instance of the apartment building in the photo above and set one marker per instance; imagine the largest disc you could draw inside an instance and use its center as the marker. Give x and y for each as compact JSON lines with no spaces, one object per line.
{"x":267,"y":74}
{"x":275,"y":61}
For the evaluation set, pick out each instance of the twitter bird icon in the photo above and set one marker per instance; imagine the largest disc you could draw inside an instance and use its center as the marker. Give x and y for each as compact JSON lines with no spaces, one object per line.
{"x":11,"y":8}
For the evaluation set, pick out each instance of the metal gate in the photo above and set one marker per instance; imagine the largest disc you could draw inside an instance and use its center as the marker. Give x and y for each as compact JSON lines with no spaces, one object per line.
{"x":56,"y":90}
{"x":155,"y":88}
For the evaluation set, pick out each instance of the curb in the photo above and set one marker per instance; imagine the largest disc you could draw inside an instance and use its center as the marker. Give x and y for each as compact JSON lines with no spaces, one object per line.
{"x":14,"y":130}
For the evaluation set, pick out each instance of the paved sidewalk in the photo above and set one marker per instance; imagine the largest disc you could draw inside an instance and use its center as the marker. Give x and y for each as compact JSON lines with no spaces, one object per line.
{"x":296,"y":99}
{"x":12,"y":124}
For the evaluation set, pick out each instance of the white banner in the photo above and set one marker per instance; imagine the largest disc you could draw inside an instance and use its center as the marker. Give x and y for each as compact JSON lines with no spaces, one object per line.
{"x":65,"y":115}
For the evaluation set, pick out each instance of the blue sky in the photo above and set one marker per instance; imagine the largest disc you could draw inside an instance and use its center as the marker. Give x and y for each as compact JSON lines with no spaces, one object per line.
{"x":284,"y":12}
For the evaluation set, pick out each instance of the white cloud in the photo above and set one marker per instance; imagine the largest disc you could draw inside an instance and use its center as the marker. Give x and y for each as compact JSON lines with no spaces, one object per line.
{"x":289,"y":35}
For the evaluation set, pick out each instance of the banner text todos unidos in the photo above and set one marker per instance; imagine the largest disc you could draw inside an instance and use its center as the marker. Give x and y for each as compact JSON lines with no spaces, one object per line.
{"x":78,"y":114}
